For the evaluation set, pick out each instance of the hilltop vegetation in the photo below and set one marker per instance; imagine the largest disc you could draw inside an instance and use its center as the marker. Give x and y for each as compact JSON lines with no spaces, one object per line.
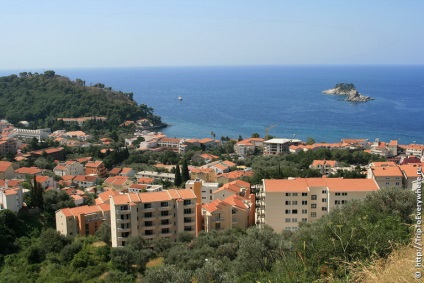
{"x":41,"y":98}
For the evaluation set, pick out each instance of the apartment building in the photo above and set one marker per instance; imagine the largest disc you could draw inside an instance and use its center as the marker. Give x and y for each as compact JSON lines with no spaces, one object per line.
{"x":8,"y":145}
{"x":95,"y":168}
{"x":157,"y":176}
{"x":152,"y":215}
{"x":83,"y":220}
{"x":386,"y":176}
{"x":285,"y":203}
{"x":70,"y":167}
{"x":11,"y":198}
{"x":278,"y":146}
{"x":247,"y":146}
{"x":172,"y":144}
{"x":118,"y":183}
{"x":203,"y":190}
{"x":205,"y":174}
{"x":410,"y":174}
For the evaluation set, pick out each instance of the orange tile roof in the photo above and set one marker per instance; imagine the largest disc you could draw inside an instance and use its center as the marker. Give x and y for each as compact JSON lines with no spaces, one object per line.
{"x":4,"y":165}
{"x":10,"y":183}
{"x":389,"y":171}
{"x":145,"y":180}
{"x":410,"y":170}
{"x":104,"y":196}
{"x":115,"y":171}
{"x":206,"y":140}
{"x":41,"y":179}
{"x":174,"y":140}
{"x":333,"y":184}
{"x":126,"y":170}
{"x":28,"y":170}
{"x":93,"y":164}
{"x":236,"y":201}
{"x":383,"y":164}
{"x":155,"y":196}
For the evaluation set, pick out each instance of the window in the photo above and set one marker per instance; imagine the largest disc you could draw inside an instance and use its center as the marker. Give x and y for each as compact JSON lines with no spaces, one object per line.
{"x":217,"y":225}
{"x":187,"y":228}
{"x":295,"y":194}
{"x":304,"y":194}
{"x":148,"y":232}
{"x":294,"y":202}
{"x":344,"y":201}
{"x":314,"y":205}
{"x":148,"y":223}
{"x":165,"y":231}
{"x":294,"y":211}
{"x":187,"y":219}
{"x":294,"y":220}
{"x":324,"y":200}
{"x":324,"y":191}
{"x":288,"y":220}
{"x":337,"y":194}
{"x":148,"y":215}
{"x":304,"y":211}
{"x":397,"y":183}
{"x":187,"y":211}
{"x":187,"y":201}
{"x":344,"y":194}
{"x":164,"y":213}
{"x":313,"y":197}
{"x":313,"y":214}
{"x":304,"y":202}
{"x":164,"y":222}
{"x":288,"y":202}
{"x":124,"y":207}
{"x":164,"y":204}
{"x":288,"y":194}
{"x":324,"y":208}
{"x":147,"y":205}
{"x":304,"y":219}
{"x":288,"y":211}
{"x":336,"y":202}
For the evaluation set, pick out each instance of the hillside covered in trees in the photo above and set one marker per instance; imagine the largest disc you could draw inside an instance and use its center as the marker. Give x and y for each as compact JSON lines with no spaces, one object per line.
{"x":42,"y":98}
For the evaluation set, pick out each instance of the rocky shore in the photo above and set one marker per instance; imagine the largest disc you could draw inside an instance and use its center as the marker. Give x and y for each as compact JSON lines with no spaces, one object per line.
{"x":350,"y":91}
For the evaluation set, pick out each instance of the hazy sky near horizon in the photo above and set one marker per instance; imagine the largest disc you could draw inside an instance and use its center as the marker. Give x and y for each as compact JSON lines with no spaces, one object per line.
{"x":89,"y":34}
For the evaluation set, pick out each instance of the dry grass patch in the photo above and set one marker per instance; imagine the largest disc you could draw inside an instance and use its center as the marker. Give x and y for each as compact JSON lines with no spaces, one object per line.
{"x":155,"y":262}
{"x":399,"y":267}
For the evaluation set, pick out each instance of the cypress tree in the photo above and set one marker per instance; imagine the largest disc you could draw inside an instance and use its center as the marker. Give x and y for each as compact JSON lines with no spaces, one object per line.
{"x":185,"y":175}
{"x":178,"y":180}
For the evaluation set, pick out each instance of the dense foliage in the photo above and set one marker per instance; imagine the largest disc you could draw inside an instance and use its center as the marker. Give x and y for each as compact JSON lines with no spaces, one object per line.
{"x":359,"y":231}
{"x":41,"y":98}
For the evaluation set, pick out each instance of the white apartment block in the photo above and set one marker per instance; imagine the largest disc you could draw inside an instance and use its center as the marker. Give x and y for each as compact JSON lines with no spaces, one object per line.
{"x":278,"y":146}
{"x":11,"y":198}
{"x":152,"y":215}
{"x":203,"y":190}
{"x":156,"y":175}
{"x":73,"y":168}
{"x":283,"y":204}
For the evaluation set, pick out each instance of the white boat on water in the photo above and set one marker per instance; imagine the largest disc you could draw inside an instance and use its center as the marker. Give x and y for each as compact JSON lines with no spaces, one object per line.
{"x":180,"y":98}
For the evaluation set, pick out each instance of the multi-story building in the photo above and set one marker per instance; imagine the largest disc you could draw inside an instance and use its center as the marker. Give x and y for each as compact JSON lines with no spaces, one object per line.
{"x":415,"y":150}
{"x":203,"y":190}
{"x":21,"y":173}
{"x":248,"y":146}
{"x":172,"y":144}
{"x":70,"y":167}
{"x":11,"y":198}
{"x":83,"y":220}
{"x":95,"y":168}
{"x":152,"y":215}
{"x":56,"y":153}
{"x":205,"y":174}
{"x":386,"y":176}
{"x":324,"y":166}
{"x":8,"y":145}
{"x":278,"y":146}
{"x":118,"y":183}
{"x":286,"y":203}
{"x":25,"y":134}
{"x":410,"y":175}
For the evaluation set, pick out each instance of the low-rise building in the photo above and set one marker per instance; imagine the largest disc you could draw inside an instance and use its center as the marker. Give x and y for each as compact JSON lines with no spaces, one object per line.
{"x":203,"y":190}
{"x":6,"y":170}
{"x":325,"y":167}
{"x":247,"y":146}
{"x":169,"y":177}
{"x":83,"y":220}
{"x":118,"y":183}
{"x":11,"y":198}
{"x":279,"y":146}
{"x":386,"y":176}
{"x":95,"y":168}
{"x":70,"y":167}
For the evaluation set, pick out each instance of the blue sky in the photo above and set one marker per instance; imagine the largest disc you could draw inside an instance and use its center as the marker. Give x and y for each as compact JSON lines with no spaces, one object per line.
{"x":77,"y":34}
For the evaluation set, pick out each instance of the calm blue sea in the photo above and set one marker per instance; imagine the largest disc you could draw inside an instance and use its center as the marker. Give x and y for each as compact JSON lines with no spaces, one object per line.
{"x":233,"y":101}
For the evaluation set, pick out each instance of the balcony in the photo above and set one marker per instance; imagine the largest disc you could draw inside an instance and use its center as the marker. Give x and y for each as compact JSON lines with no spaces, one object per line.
{"x":191,"y":205}
{"x":169,"y":234}
{"x":163,"y":208}
{"x":169,"y":216}
{"x":124,"y":229}
{"x":191,"y":214}
{"x":126,"y":211}
{"x":218,"y":220}
{"x":123,"y":220}
{"x":147,"y":237}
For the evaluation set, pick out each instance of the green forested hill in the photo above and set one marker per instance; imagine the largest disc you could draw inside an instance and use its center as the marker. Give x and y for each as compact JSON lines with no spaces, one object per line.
{"x":45,"y":97}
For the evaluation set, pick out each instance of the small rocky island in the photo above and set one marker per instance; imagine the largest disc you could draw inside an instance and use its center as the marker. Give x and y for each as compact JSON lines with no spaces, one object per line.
{"x":350,"y":91}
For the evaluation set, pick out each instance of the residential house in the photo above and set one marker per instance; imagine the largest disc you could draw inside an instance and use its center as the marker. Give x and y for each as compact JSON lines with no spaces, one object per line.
{"x":85,"y":181}
{"x":157,"y":176}
{"x":127,"y":172}
{"x":325,"y":167}
{"x":415,"y":150}
{"x":104,"y":197}
{"x":70,"y":167}
{"x":410,"y":174}
{"x":118,"y":183}
{"x":153,"y":215}
{"x":45,"y":181}
{"x":233,"y":175}
{"x":11,"y":198}
{"x":235,"y":187}
{"x":8,"y":146}
{"x":172,"y":144}
{"x":386,"y":176}
{"x":205,"y":174}
{"x":54,"y":153}
{"x":21,"y":173}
